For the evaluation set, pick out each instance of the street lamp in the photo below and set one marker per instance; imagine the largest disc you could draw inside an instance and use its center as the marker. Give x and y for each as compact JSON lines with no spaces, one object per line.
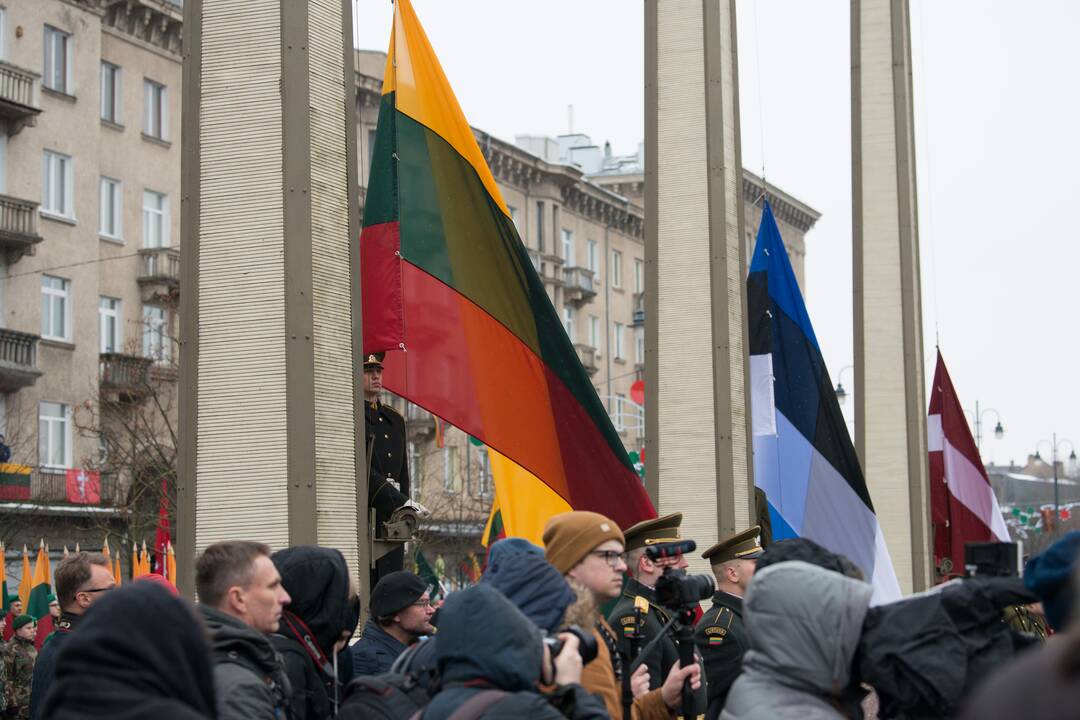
{"x":1054,"y":444}
{"x":841,"y":393}
{"x":999,"y":429}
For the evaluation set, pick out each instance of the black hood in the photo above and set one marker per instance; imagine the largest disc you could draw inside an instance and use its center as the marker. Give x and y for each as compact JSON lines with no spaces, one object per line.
{"x":139,"y":653}
{"x":317,"y":580}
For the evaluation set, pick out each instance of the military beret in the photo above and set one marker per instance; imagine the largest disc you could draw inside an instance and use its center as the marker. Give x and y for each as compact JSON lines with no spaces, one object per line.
{"x":745,"y":545}
{"x":373,"y":360}
{"x":50,"y":599}
{"x":653,"y":531}
{"x":14,"y":597}
{"x":20,"y":621}
{"x":395,"y":592}
{"x":570,"y":536}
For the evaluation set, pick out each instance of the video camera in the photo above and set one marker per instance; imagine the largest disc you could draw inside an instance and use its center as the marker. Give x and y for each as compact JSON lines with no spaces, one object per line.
{"x":675,"y":589}
{"x":992,"y":559}
{"x":587,"y":647}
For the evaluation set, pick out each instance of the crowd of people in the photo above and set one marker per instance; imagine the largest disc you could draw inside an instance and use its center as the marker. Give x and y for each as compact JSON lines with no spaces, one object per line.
{"x":790,"y":633}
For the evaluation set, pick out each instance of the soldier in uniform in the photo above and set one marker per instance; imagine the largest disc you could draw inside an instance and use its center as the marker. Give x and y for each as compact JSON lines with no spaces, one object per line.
{"x":642,"y":582}
{"x":19,"y":657}
{"x":388,"y":474}
{"x":720,"y":635}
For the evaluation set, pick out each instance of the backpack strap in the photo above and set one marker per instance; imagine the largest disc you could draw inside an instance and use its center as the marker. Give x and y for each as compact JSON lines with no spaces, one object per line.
{"x":478,"y":704}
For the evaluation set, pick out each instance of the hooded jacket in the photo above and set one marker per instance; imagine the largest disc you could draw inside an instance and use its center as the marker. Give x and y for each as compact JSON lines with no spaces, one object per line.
{"x":804,"y":624}
{"x":518,"y":570}
{"x":506,"y":656}
{"x":322,"y":608}
{"x":139,"y":653}
{"x":249,"y":675}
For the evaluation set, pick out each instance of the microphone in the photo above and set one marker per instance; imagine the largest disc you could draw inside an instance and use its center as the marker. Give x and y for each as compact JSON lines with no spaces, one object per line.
{"x":659,"y":551}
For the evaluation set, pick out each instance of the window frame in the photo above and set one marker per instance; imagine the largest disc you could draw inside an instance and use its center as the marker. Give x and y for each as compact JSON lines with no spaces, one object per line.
{"x":155,"y":97}
{"x":48,"y":64}
{"x":107,"y":315}
{"x":61,"y":295}
{"x":639,"y":275}
{"x":592,"y":258}
{"x":568,"y":247}
{"x":156,"y":328}
{"x":163,"y":215}
{"x":568,"y":318}
{"x":618,"y":332}
{"x":594,"y":332}
{"x":115,"y":208}
{"x":51,"y":160}
{"x":115,"y":73}
{"x":616,"y":269}
{"x":639,"y":345}
{"x":46,"y":436}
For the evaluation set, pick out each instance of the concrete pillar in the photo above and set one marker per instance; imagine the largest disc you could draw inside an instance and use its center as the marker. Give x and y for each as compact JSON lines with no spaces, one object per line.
{"x":890,"y":409}
{"x":271,"y":419}
{"x":697,"y":421}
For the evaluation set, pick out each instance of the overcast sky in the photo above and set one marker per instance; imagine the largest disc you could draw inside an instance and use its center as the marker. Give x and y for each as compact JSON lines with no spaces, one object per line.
{"x":997,"y":112}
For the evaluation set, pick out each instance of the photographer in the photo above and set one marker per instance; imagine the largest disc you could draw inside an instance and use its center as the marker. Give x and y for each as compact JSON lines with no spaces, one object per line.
{"x":644,"y":574}
{"x":588,"y":549}
{"x":491,"y":659}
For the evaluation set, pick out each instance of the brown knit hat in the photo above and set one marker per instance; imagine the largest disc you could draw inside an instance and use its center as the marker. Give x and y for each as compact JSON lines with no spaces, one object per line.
{"x":569,"y":537}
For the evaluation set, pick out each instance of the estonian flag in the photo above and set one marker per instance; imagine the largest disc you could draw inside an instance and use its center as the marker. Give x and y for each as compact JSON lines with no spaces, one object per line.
{"x":803,"y":456}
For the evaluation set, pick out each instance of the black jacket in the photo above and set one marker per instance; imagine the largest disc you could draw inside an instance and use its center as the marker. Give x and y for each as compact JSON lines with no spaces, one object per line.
{"x":45,"y":665}
{"x":722,"y":640}
{"x":139,"y":653}
{"x":322,"y":608}
{"x":389,"y":459}
{"x":486,"y":643}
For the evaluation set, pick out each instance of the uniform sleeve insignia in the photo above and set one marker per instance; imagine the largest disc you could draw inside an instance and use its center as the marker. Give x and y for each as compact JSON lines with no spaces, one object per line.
{"x":627,"y":623}
{"x":715,"y":634}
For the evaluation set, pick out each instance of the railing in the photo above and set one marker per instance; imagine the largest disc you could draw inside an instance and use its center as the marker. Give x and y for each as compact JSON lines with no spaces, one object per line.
{"x":18,"y":219}
{"x":18,"y":360}
{"x":124,"y":373}
{"x":49,"y":485}
{"x":156,"y":264}
{"x":578,"y":278}
{"x":16,"y":85}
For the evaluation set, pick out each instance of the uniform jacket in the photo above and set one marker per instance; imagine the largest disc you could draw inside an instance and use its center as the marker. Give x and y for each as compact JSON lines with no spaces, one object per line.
{"x":722,"y":640}
{"x":45,"y":667}
{"x":505,"y":656}
{"x":804,"y":624}
{"x":389,"y":459}
{"x":249,"y":675}
{"x":665,"y":653}
{"x":19,"y":657}
{"x":376,"y":651}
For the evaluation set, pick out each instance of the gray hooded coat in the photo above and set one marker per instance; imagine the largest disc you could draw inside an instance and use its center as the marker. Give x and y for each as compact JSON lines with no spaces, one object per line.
{"x":804,"y":624}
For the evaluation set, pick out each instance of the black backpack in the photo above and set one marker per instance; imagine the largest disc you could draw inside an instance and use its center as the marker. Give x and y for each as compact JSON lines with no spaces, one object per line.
{"x":390,"y":696}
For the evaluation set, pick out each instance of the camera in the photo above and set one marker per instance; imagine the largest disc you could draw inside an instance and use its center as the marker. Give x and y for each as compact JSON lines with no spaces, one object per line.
{"x":677,"y":590}
{"x":992,"y":559}
{"x":587,"y":647}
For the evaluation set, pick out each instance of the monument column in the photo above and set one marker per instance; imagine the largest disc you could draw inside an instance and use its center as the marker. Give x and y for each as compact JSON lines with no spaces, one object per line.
{"x":890,"y":397}
{"x":271,"y":415}
{"x":698,"y":445}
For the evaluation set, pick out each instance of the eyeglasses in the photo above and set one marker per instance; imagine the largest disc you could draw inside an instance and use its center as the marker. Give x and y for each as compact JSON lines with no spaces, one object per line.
{"x":611,"y":557}
{"x":93,"y":590}
{"x":423,"y":603}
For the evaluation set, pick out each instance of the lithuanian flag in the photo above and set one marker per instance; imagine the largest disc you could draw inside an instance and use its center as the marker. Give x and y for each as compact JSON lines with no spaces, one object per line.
{"x":38,"y":605}
{"x":14,"y":481}
{"x":450,"y":293}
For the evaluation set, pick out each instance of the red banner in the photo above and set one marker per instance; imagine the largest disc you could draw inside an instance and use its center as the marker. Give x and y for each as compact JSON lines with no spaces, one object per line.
{"x":84,"y":487}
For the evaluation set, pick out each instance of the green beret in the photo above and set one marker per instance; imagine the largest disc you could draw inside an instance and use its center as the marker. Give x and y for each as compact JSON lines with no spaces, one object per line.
{"x":14,"y":597}
{"x":50,"y":599}
{"x":21,"y":620}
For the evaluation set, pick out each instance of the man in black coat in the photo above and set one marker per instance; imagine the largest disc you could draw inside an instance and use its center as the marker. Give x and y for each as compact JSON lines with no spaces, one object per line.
{"x":81,"y":579}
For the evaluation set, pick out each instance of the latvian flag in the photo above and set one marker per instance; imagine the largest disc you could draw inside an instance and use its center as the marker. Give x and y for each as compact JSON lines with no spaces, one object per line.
{"x":963,"y":506}
{"x":803,"y":456}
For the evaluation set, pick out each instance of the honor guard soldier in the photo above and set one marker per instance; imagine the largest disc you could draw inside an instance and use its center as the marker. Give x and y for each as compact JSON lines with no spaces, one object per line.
{"x":720,"y":635}
{"x":641,"y":584}
{"x":388,"y":474}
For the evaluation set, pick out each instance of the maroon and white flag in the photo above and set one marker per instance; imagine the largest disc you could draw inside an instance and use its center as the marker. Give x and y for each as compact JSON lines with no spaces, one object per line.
{"x":963,"y":506}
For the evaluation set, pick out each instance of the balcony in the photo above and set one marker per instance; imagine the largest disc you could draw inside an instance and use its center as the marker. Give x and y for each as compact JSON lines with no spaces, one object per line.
{"x":587,"y":355}
{"x":159,"y":274}
{"x":18,"y":227}
{"x":17,"y":106}
{"x":578,"y":285}
{"x":639,"y":309}
{"x":123,"y":378}
{"x":18,"y":360}
{"x":420,"y":423}
{"x":49,"y":485}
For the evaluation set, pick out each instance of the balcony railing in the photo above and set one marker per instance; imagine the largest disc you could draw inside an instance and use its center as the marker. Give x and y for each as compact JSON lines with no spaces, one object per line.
{"x":17,"y":103}
{"x":124,"y":377}
{"x":18,"y":360}
{"x":578,"y":283}
{"x":18,"y":227}
{"x":587,"y":355}
{"x":159,"y":273}
{"x":48,"y":485}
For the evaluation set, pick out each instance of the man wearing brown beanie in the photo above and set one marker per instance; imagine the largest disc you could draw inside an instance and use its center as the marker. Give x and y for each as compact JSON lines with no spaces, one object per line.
{"x":587,"y":548}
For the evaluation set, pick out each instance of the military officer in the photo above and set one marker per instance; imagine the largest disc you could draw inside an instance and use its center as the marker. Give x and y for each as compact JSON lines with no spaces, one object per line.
{"x":19,"y":657}
{"x":720,"y":635}
{"x":642,"y":582}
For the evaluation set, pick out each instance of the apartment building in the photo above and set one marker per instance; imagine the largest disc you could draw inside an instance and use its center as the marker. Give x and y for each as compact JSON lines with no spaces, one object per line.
{"x":90,"y":235}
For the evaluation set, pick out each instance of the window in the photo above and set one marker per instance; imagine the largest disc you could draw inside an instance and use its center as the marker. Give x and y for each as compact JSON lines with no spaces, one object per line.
{"x":639,"y":275}
{"x":639,"y":345}
{"x":451,"y":472}
{"x":617,"y":338}
{"x":594,"y":332}
{"x":591,"y":257}
{"x":620,"y":412}
{"x":3,"y":162}
{"x":57,"y":66}
{"x":568,"y":321}
{"x":109,"y":225}
{"x":57,"y":185}
{"x":486,"y":483}
{"x":55,"y":308}
{"x":3,"y":33}
{"x":155,"y":109}
{"x":568,"y":247}
{"x":109,"y":324}
{"x":54,"y":435}
{"x":111,"y":86}
{"x":616,"y":269}
{"x":155,"y":334}
{"x":416,"y":489}
{"x":540,"y":226}
{"x":155,"y":219}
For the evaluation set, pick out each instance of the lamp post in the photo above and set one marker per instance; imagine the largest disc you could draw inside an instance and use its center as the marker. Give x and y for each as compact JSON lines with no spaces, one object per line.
{"x":1054,"y":444}
{"x":841,"y":393}
{"x":999,"y":430}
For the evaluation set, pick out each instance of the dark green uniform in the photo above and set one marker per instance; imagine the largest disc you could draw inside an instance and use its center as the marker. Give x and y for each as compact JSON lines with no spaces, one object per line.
{"x":388,"y":477}
{"x":666,"y":652}
{"x":19,"y":657}
{"x":721,"y":639}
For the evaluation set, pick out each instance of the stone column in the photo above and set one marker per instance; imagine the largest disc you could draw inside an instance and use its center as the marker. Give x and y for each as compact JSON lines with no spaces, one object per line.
{"x":271,"y":419}
{"x":698,"y":447}
{"x":890,"y":397}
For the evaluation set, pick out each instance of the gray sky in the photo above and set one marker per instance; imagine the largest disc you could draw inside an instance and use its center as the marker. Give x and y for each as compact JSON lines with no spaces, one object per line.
{"x":996,"y":116}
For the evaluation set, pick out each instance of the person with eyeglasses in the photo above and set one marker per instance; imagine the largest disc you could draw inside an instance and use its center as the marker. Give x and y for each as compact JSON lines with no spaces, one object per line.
{"x":81,"y":579}
{"x":589,"y":550}
{"x":401,"y":613}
